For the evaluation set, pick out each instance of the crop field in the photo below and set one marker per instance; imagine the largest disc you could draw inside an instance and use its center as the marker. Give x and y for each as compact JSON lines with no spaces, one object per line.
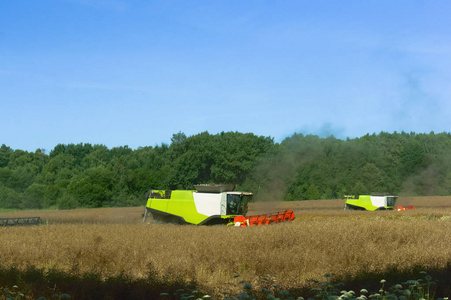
{"x":355,"y":247}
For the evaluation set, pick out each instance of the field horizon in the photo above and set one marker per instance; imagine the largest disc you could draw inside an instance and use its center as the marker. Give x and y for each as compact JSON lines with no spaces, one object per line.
{"x":133,"y":215}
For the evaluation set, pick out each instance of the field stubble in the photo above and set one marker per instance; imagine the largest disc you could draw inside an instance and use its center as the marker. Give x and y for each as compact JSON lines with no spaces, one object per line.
{"x":323,"y":239}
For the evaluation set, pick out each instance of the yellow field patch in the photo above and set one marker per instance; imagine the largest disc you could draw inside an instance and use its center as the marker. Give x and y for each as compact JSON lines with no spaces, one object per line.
{"x":329,"y":240}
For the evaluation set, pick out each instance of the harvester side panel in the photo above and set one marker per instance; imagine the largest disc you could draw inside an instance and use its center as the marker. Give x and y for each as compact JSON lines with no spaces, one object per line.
{"x":182,"y":204}
{"x":363,"y":201}
{"x":158,"y":204}
{"x":379,"y":201}
{"x":208,"y":204}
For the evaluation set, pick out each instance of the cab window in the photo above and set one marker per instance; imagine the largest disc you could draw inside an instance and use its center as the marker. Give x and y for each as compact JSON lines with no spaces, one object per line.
{"x":237,"y":204}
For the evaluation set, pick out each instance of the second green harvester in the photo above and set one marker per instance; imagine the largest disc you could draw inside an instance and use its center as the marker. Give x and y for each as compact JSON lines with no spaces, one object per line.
{"x":370,"y":202}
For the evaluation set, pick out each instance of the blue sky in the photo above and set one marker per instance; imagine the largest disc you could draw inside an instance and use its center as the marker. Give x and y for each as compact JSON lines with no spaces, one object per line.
{"x":134,"y":72}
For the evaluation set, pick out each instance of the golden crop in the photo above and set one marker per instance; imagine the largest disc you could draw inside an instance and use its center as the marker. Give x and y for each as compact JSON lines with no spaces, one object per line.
{"x":323,"y":239}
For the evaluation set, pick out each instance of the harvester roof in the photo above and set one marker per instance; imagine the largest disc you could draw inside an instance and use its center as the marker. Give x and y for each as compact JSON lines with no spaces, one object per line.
{"x":214,"y":188}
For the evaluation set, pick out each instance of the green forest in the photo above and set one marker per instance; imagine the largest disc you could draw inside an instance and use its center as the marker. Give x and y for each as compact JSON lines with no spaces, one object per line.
{"x":301,"y":167}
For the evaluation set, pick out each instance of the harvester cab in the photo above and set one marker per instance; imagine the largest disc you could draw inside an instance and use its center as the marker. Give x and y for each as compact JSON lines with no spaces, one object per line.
{"x":370,"y":202}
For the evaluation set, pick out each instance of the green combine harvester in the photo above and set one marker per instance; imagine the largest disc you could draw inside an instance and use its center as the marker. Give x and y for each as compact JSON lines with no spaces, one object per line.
{"x":209,"y":204}
{"x":369,"y":202}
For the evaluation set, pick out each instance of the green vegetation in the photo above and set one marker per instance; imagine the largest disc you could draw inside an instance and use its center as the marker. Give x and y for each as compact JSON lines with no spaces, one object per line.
{"x":410,"y":290}
{"x":40,"y":284}
{"x":90,"y":286}
{"x":299,"y":168}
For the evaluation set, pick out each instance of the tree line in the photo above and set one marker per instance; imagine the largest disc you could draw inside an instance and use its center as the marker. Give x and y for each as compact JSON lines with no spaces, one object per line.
{"x":301,"y":167}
